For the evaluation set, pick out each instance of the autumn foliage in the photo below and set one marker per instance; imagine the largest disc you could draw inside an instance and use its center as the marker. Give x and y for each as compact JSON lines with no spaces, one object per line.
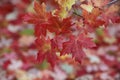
{"x":63,"y":27}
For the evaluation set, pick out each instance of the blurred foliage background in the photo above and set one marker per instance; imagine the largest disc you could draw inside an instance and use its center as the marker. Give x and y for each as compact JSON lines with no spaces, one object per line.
{"x":18,"y":50}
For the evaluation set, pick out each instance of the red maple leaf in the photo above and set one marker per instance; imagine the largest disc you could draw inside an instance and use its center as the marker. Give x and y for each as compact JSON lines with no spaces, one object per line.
{"x":59,"y":26}
{"x":40,"y":29}
{"x":41,"y":15}
{"x":50,"y":56}
{"x":92,"y":20}
{"x":45,"y":51}
{"x":75,"y":46}
{"x":57,"y":42}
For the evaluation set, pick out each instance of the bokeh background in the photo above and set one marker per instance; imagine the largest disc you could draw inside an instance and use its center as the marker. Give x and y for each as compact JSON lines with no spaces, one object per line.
{"x":18,"y":50}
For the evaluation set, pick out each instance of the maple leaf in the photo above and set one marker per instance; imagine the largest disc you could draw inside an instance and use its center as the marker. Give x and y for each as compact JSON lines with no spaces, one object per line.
{"x":40,"y":29}
{"x":45,"y":51}
{"x":75,"y":46}
{"x":43,"y":44}
{"x":61,"y":13}
{"x":66,"y":25}
{"x":57,"y":42}
{"x":93,"y":15}
{"x":92,"y":20}
{"x":65,"y":6}
{"x":41,"y":15}
{"x":54,"y":24}
{"x":40,"y":9}
{"x":86,"y":7}
{"x":66,"y":3}
{"x":49,"y":56}
{"x":59,"y":26}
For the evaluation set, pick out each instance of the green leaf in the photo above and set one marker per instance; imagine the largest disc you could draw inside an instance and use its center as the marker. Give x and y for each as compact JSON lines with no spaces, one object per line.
{"x":27,"y":32}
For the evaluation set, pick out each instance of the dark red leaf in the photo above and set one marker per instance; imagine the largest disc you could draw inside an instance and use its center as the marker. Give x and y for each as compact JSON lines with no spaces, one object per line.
{"x":75,"y":46}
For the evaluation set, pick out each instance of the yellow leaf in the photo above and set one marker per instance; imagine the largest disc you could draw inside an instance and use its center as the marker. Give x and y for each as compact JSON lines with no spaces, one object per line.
{"x":62,"y":13}
{"x":40,"y":9}
{"x":30,"y":9}
{"x":65,"y":6}
{"x":88,"y":8}
{"x":66,"y":3}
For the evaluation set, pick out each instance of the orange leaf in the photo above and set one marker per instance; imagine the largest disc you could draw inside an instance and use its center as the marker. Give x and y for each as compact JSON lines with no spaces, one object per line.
{"x":40,"y":9}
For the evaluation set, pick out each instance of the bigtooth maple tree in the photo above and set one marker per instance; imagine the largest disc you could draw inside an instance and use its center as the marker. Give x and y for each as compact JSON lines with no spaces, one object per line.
{"x":65,"y":29}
